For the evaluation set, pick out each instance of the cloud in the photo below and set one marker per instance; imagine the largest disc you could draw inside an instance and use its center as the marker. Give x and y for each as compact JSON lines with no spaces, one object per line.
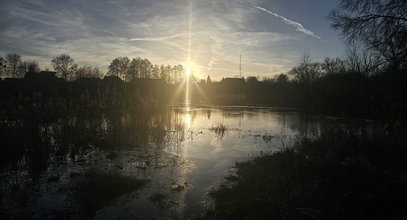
{"x":94,"y":32}
{"x":163,"y":38}
{"x":299,"y":27}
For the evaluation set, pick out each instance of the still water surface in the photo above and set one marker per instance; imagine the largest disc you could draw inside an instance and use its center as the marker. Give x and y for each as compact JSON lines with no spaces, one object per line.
{"x":201,"y":155}
{"x":184,"y":152}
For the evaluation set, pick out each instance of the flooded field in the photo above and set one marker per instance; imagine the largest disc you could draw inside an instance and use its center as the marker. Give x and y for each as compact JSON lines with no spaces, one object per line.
{"x":159,"y":165}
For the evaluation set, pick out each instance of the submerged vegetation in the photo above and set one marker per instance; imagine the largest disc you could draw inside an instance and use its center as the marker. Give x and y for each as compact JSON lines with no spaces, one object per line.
{"x":219,"y":130}
{"x":339,"y":175}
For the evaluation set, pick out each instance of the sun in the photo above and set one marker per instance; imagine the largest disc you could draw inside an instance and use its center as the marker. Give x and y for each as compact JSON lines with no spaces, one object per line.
{"x":191,"y":69}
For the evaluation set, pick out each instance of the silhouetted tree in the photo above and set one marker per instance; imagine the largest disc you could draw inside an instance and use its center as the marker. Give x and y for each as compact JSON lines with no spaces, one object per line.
{"x":208,"y":79}
{"x":134,"y":70}
{"x":14,"y":65}
{"x":332,"y":66}
{"x":3,"y":66}
{"x":166,"y":73}
{"x":145,"y":69}
{"x":380,"y":24}
{"x":88,"y":72}
{"x":120,"y":67}
{"x":163,"y":73}
{"x":64,"y":65}
{"x":361,"y":62}
{"x":307,"y":71}
{"x":155,"y":72}
{"x":178,"y":71}
{"x":282,"y":78}
{"x":30,"y":66}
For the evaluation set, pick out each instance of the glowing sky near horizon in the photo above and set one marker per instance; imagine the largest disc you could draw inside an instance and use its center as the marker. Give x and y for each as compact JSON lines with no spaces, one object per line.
{"x":271,"y":35}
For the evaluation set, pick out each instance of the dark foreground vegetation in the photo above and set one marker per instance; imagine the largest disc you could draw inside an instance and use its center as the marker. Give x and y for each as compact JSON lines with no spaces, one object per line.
{"x":339,"y":175}
{"x":96,"y":188}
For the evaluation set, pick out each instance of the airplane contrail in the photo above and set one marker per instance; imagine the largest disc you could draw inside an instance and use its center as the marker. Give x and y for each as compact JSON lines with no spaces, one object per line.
{"x":299,"y":27}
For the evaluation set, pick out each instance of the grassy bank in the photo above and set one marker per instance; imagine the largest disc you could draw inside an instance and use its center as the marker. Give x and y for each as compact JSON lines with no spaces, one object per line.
{"x":335,"y":176}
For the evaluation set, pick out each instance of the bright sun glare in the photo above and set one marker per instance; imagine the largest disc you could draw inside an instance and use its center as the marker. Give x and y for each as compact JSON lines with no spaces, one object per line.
{"x":191,"y":69}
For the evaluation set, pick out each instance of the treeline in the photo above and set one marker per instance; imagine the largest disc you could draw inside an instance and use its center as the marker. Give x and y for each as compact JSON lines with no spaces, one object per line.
{"x":369,"y":82}
{"x":13,"y":66}
{"x":355,"y":85}
{"x":128,"y":70}
{"x":123,"y":67}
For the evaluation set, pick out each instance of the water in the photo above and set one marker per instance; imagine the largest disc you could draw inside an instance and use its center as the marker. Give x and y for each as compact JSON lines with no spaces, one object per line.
{"x":203,"y":156}
{"x":184,"y":152}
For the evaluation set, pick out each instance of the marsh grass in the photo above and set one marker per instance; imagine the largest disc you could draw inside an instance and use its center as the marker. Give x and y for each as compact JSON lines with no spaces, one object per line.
{"x":219,"y":130}
{"x":335,"y":176}
{"x":96,"y":188}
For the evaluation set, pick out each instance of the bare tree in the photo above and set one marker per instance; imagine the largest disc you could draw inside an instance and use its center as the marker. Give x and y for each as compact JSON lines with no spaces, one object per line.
{"x":114,"y":67}
{"x":361,"y":62}
{"x":88,"y":72}
{"x":146,"y":67}
{"x":332,"y":66}
{"x":3,"y":66}
{"x":30,"y":66}
{"x":65,"y":66}
{"x":14,"y":65}
{"x":281,"y":78}
{"x":120,"y":67}
{"x":167,"y":74}
{"x":307,"y":71}
{"x":163,"y":74}
{"x":135,"y":66}
{"x":155,"y":72}
{"x":178,"y":73}
{"x":380,"y":24}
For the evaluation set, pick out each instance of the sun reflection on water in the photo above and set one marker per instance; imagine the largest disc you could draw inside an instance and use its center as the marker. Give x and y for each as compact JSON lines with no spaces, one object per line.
{"x":187,"y":120}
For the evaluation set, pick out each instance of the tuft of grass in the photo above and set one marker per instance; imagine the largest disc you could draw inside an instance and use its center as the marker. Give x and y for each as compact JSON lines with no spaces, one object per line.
{"x":219,"y":130}
{"x":335,"y":176}
{"x":96,"y":188}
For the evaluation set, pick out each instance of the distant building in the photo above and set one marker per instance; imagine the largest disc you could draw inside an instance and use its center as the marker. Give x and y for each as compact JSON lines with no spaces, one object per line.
{"x":233,"y":85}
{"x":43,"y":75}
{"x":233,"y":81}
{"x":112,"y":80}
{"x":89,"y":82}
{"x":148,"y":83}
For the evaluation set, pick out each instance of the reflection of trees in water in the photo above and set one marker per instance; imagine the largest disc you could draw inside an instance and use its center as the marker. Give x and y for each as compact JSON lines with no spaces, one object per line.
{"x":35,"y":140}
{"x":311,"y":125}
{"x":39,"y":129}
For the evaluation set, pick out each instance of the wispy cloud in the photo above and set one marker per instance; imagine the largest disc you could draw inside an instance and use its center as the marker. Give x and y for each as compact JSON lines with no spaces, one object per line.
{"x":299,"y":27}
{"x":158,"y":38}
{"x":96,"y":31}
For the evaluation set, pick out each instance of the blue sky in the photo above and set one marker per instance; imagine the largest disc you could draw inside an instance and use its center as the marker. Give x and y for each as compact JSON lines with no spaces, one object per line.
{"x":207,"y":35}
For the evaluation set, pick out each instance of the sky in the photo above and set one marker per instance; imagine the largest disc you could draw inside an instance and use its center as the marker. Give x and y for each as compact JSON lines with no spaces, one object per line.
{"x":207,"y":36}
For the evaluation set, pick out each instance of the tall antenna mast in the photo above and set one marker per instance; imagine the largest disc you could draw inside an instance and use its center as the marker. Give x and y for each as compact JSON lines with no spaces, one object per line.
{"x":240,"y":67}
